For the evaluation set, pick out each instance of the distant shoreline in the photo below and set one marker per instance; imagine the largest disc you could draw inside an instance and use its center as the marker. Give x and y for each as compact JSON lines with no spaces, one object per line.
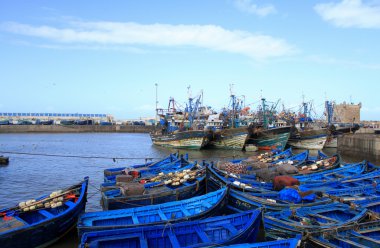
{"x":75,"y":129}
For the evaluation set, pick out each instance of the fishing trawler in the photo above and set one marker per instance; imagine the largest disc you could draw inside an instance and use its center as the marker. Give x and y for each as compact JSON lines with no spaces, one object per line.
{"x":181,"y":129}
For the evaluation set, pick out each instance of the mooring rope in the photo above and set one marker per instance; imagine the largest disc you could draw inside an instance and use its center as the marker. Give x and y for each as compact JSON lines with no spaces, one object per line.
{"x":103,"y":157}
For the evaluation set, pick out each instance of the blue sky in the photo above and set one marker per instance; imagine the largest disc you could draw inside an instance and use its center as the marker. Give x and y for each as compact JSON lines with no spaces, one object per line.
{"x":106,"y":56}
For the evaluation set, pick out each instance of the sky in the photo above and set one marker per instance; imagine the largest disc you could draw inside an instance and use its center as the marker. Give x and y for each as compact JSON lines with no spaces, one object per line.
{"x":107,"y":56}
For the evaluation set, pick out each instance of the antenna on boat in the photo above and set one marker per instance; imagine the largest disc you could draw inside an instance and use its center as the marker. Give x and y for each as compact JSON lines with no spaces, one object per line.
{"x":156,"y":100}
{"x":189,"y":91}
{"x":233,"y":104}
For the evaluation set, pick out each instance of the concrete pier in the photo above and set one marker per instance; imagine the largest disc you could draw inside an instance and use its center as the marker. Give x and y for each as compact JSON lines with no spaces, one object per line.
{"x":74,"y":129}
{"x":360,"y":145}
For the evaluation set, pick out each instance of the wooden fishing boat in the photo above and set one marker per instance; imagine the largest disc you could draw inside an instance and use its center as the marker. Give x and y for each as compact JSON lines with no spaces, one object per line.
{"x":171,"y":158}
{"x":215,"y":231}
{"x":247,"y":169}
{"x":317,"y":218}
{"x":270,"y":138}
{"x":192,"y":139}
{"x":345,"y":171}
{"x":4,"y":160}
{"x":179,"y":164}
{"x":191,"y":209}
{"x":313,"y":139}
{"x":229,"y":138}
{"x":31,"y":224}
{"x":360,"y":191}
{"x":136,"y":194}
{"x":267,"y":157}
{"x":269,"y":202}
{"x":248,"y":182}
{"x":351,"y":236}
{"x":281,"y":243}
{"x":153,"y":175}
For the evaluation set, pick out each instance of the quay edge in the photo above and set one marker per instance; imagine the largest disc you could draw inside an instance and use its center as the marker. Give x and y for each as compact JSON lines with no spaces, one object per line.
{"x":75,"y":129}
{"x":360,"y":145}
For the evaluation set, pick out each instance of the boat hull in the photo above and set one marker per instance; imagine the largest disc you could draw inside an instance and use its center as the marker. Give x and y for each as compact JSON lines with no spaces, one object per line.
{"x":181,"y":140}
{"x":195,"y":189}
{"x":232,"y":139}
{"x":270,"y":139}
{"x":46,"y":232}
{"x":313,"y":139}
{"x":215,"y":231}
{"x":316,"y":143}
{"x":199,"y":207}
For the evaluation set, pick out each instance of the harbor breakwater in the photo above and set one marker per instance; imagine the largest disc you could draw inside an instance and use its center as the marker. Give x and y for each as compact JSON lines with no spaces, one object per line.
{"x":75,"y":129}
{"x":361,"y":145}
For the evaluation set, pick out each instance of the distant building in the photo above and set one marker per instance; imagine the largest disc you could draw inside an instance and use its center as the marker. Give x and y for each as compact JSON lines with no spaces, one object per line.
{"x":55,"y":116}
{"x":346,"y":113}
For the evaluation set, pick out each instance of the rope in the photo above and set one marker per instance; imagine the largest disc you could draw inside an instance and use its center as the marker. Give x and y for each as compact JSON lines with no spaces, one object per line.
{"x":98,"y":157}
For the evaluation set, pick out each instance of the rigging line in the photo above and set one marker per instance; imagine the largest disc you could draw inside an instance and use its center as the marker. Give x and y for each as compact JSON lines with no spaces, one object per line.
{"x":102,"y":157}
{"x":74,"y":156}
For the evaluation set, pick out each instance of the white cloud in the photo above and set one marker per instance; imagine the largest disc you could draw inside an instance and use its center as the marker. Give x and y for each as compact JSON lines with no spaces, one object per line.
{"x":125,"y":34}
{"x":350,"y":13}
{"x":249,"y":7}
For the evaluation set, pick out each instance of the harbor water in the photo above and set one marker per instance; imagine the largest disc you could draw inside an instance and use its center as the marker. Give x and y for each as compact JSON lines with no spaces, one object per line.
{"x":42,"y":163}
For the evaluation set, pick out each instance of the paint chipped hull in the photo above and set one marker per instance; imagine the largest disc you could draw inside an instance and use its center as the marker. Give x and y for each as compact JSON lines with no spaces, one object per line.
{"x":231,"y":139}
{"x":270,"y":139}
{"x":181,"y":140}
{"x":312,"y":143}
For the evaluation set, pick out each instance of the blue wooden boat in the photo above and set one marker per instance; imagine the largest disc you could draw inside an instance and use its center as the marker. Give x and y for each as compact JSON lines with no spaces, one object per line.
{"x":346,"y":171}
{"x":316,"y":218}
{"x":111,"y":173}
{"x":191,"y":209}
{"x":171,"y":158}
{"x":215,"y":231}
{"x":41,"y":227}
{"x":180,"y":164}
{"x":352,"y":236}
{"x":272,"y":156}
{"x":153,"y":193}
{"x":269,"y":202}
{"x":282,"y":243}
{"x":153,"y":175}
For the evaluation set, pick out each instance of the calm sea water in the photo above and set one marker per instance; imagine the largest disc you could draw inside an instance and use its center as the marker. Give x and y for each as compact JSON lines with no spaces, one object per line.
{"x":27,"y":176}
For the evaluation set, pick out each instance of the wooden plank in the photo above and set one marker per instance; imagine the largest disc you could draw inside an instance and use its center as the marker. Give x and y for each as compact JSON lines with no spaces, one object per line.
{"x":231,"y":228}
{"x":46,"y":213}
{"x":173,"y":239}
{"x":143,"y":242}
{"x":161,"y":214}
{"x":202,"y":235}
{"x":206,"y":204}
{"x":135,"y":219}
{"x":345,"y":240}
{"x":184,"y":211}
{"x":324,"y":217}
